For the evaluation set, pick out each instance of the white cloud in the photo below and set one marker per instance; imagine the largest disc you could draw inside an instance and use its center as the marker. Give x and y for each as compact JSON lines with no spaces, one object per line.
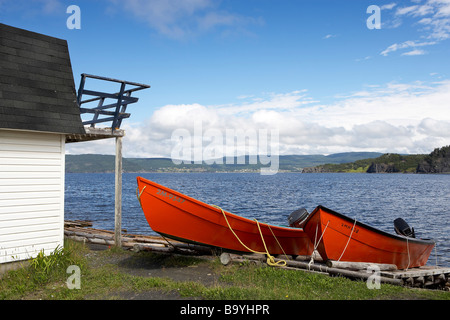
{"x":363,"y":59}
{"x":406,"y":10}
{"x":443,"y":7}
{"x":388,"y":6}
{"x":434,"y":128}
{"x":33,"y":8}
{"x":416,"y":10}
{"x":416,"y":52}
{"x":396,"y":117}
{"x":404,"y":45}
{"x":270,"y":101}
{"x":52,"y":6}
{"x":179,"y":19}
{"x":432,"y":17}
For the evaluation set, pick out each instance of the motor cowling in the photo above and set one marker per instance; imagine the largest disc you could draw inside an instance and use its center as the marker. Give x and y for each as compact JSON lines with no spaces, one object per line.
{"x":297,"y":218}
{"x":402,"y":228}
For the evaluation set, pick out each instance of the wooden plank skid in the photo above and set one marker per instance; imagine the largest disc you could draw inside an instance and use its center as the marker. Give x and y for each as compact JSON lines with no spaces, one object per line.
{"x":423,"y":277}
{"x":81,"y":231}
{"x":417,"y":272}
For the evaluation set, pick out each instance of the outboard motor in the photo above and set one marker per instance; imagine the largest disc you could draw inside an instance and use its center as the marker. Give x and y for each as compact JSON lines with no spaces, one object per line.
{"x":297,"y":218}
{"x":402,"y":228}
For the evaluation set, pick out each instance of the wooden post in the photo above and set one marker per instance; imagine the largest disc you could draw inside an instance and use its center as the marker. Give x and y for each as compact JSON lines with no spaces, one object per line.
{"x":118,"y":192}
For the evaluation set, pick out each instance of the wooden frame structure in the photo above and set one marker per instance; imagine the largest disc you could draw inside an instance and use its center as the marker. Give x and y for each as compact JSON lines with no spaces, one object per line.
{"x":120,"y":100}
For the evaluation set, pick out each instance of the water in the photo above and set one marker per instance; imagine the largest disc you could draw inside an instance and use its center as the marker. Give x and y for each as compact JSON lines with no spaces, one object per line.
{"x":375,"y":199}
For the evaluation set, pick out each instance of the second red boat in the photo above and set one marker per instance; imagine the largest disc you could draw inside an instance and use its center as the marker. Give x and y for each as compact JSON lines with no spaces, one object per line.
{"x":338,"y":237}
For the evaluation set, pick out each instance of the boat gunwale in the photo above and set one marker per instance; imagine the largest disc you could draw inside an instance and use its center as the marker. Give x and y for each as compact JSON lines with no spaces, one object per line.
{"x":366,"y":226}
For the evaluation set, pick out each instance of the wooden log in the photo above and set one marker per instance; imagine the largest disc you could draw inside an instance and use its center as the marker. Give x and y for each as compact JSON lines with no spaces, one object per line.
{"x":78,"y":223}
{"x":144,"y":240}
{"x":77,"y":238}
{"x":101,"y":241}
{"x":440,"y":278}
{"x":127,"y":244}
{"x":193,"y":247}
{"x":316,"y":257}
{"x":363,"y":276}
{"x":243,"y":260}
{"x":109,"y":235}
{"x":251,"y":256}
{"x":360,"y":265}
{"x":409,"y":281}
{"x":429,"y":281}
{"x":330,"y":270}
{"x":147,"y":247}
{"x":225,"y":258}
{"x":419,"y":281}
{"x":89,"y":235}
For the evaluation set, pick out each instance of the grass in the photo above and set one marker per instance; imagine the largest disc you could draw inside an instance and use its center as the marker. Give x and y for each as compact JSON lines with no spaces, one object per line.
{"x":40,"y":277}
{"x":102,"y":278}
{"x":267,"y":283}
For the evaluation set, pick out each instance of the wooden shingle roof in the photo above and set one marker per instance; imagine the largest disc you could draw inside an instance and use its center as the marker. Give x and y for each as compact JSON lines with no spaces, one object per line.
{"x":37,"y":89}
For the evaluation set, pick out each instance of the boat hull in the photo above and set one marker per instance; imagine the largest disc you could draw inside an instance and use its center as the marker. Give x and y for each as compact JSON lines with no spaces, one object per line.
{"x":338,"y":237}
{"x":180,"y":217}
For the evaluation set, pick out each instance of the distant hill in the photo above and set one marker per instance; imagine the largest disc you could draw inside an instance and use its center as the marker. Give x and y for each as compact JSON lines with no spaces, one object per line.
{"x":437,"y":161}
{"x":89,"y":163}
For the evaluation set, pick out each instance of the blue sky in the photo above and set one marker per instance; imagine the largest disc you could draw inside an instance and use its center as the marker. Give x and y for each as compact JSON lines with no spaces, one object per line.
{"x":311,"y":69}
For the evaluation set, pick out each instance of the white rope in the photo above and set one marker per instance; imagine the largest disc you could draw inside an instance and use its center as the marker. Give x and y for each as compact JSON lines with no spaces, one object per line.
{"x":435,"y":253}
{"x":407,"y":249}
{"x":348,"y":241}
{"x":316,"y":245}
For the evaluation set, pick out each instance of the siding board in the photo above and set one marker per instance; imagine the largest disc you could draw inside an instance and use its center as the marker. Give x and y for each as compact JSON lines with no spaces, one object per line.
{"x":29,"y":162}
{"x":29,"y":147}
{"x":29,"y":155}
{"x":13,"y":223}
{"x":30,"y":210}
{"x":19,"y":218}
{"x":32,"y":175}
{"x":27,"y":188}
{"x":14,"y":168}
{"x":28,"y":182}
{"x":28,"y":229}
{"x":31,"y":193}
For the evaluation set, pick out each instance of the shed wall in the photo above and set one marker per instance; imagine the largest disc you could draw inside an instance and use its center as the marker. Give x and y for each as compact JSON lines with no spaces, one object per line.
{"x":31,"y":193}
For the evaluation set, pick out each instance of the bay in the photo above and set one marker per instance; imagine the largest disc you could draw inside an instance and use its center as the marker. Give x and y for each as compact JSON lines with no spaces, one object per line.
{"x":375,"y":199}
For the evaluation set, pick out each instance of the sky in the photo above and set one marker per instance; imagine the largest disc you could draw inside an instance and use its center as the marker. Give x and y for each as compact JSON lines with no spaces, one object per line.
{"x":316,"y":71}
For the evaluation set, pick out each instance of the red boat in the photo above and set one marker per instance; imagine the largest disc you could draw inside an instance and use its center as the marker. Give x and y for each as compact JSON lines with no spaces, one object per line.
{"x":341,"y":238}
{"x":177,"y":216}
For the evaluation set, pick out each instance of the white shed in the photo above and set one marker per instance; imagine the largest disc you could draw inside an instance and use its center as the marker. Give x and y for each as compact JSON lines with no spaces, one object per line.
{"x":38,"y":108}
{"x":39,"y":114}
